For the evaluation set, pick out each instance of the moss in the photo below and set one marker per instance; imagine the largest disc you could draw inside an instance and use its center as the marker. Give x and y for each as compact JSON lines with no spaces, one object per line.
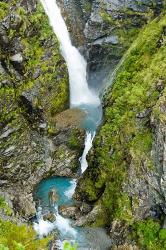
{"x":75,"y":141}
{"x":4,"y":7}
{"x":134,"y":90}
{"x":4,"y":206}
{"x":149,"y":235}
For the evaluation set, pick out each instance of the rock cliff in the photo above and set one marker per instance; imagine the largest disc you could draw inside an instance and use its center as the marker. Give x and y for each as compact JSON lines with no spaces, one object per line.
{"x":33,"y":89}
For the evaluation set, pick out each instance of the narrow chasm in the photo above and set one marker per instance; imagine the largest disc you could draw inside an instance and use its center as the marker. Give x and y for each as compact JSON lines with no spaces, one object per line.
{"x":82,"y":125}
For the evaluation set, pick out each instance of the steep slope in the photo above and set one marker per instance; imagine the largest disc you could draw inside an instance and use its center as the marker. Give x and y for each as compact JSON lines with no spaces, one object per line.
{"x":126,"y":177}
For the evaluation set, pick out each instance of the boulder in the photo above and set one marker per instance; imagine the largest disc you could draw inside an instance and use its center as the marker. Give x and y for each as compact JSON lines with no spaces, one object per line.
{"x":17,"y":58}
{"x":69,"y":118}
{"x":49,"y":217}
{"x":69,"y":211}
{"x":88,"y":219}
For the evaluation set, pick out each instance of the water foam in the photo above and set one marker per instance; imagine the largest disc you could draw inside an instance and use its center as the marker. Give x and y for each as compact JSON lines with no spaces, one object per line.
{"x":69,"y":193}
{"x":43,"y":228}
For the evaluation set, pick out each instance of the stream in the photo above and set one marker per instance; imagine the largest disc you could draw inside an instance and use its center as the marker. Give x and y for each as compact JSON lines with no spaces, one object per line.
{"x":82,"y":97}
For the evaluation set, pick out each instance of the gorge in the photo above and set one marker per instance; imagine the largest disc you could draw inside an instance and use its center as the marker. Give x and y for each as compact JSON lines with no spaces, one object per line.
{"x":50,"y":113}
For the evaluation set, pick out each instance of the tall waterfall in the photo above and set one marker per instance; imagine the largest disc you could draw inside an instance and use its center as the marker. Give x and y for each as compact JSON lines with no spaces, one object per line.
{"x":80,"y":96}
{"x":76,"y":64}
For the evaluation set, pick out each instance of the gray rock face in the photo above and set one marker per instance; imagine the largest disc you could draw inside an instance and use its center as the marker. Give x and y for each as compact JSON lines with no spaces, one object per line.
{"x":104,"y":28}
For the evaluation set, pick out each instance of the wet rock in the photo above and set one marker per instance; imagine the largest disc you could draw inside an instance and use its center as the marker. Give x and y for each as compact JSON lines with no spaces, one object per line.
{"x":88,"y":219}
{"x":49,"y":217}
{"x":69,"y":211}
{"x":85,"y":208}
{"x":111,"y":39}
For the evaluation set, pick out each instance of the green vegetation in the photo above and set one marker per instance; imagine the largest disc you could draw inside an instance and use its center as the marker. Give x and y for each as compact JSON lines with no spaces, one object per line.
{"x":74,"y":140}
{"x":4,"y":8}
{"x":14,"y":237}
{"x":68,"y":246}
{"x":4,"y":206}
{"x":18,"y":237}
{"x":149,"y":235}
{"x":125,"y":138}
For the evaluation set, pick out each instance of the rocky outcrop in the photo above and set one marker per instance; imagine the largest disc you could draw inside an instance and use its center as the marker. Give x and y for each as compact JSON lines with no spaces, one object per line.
{"x":126,"y":173}
{"x":33,"y":90}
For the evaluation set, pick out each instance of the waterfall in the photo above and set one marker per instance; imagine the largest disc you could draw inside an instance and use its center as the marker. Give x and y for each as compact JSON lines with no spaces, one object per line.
{"x":76,"y":64}
{"x":88,"y":144}
{"x":80,"y":96}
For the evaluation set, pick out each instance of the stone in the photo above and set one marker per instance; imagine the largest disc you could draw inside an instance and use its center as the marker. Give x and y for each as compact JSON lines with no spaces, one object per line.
{"x":25,"y":205}
{"x":17,"y":58}
{"x":144,"y":113}
{"x":9,"y":150}
{"x":68,"y":211}
{"x":69,"y":118}
{"x":49,"y":217}
{"x":106,"y":40}
{"x":43,"y":125}
{"x":7,"y":132}
{"x":89,"y":218}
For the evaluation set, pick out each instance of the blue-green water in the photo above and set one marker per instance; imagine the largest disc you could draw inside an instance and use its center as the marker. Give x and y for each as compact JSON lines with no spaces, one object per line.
{"x":87,"y":238}
{"x":93,"y":116}
{"x":64,"y":187}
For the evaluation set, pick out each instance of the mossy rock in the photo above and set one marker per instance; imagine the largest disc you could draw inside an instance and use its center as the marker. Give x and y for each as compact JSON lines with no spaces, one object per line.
{"x":69,"y":118}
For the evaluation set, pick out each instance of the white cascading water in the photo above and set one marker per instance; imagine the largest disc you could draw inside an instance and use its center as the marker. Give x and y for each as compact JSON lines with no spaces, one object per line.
{"x":80,"y":95}
{"x":76,"y":64}
{"x":88,"y":144}
{"x":43,"y":228}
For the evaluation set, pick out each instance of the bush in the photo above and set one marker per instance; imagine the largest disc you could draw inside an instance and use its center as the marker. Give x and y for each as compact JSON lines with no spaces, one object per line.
{"x":149,"y":235}
{"x":14,"y":237}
